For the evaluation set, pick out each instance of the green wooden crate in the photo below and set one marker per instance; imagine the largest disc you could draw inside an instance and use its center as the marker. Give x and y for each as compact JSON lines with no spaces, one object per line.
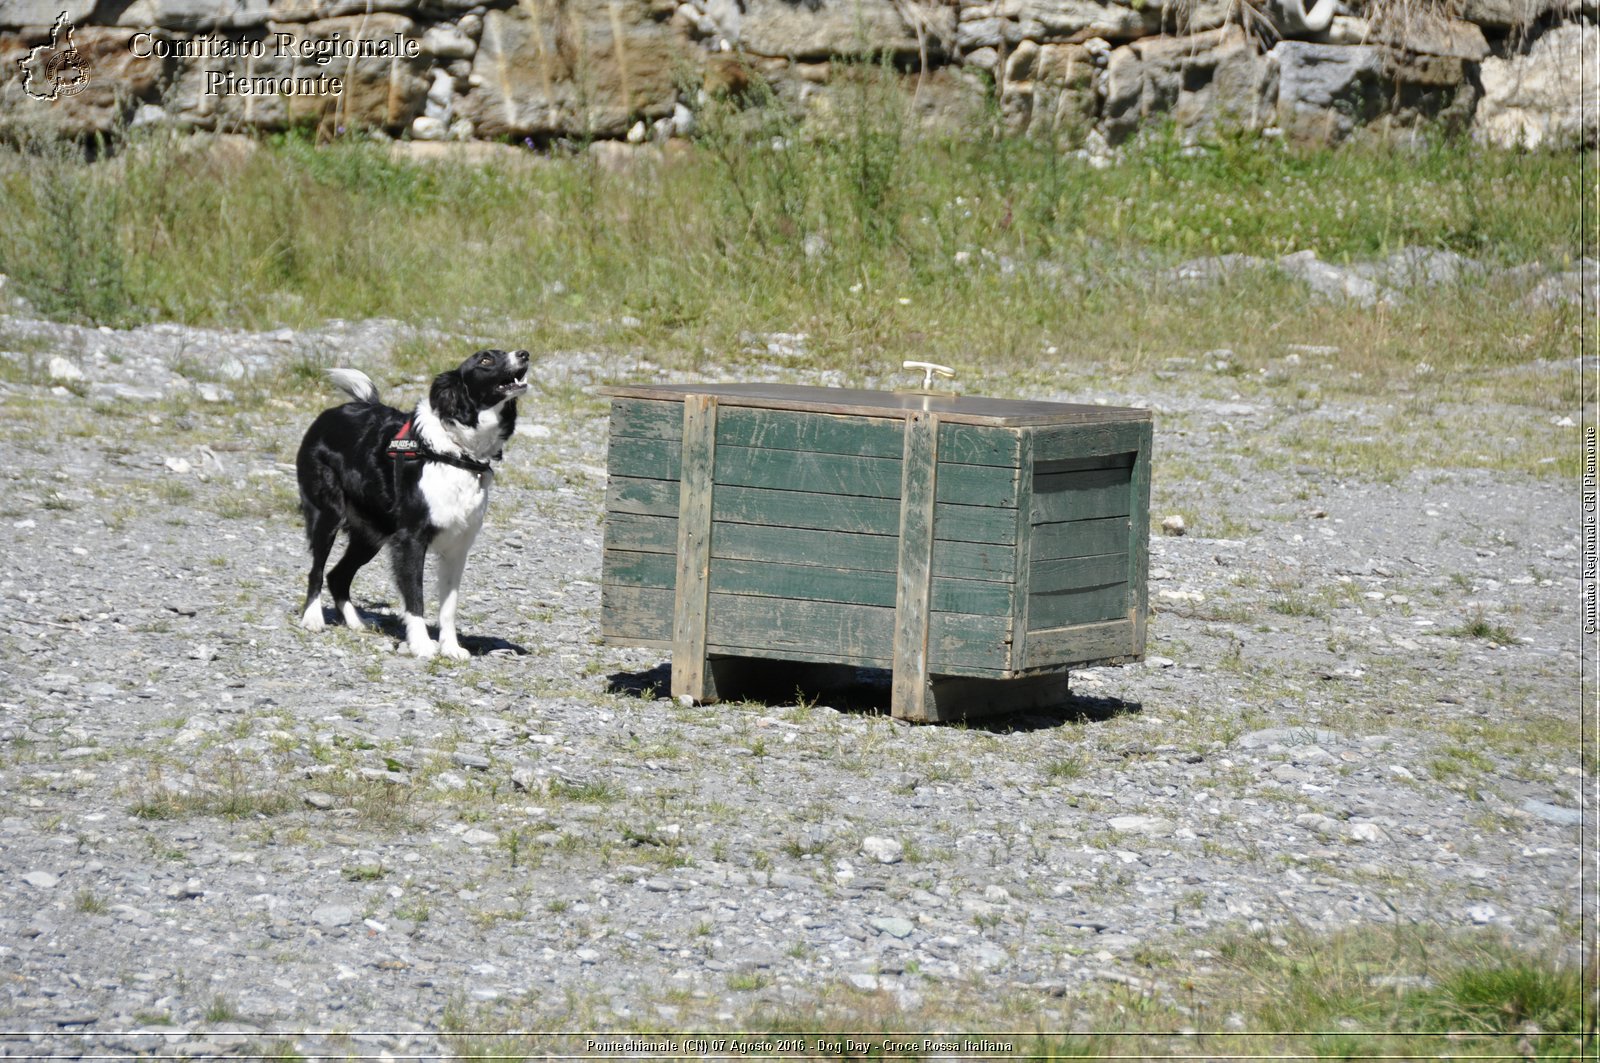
{"x":977,"y":547}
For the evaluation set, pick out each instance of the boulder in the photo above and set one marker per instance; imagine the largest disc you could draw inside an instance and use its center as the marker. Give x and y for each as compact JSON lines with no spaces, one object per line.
{"x":572,"y":71}
{"x":1205,"y":81}
{"x":1539,"y":97}
{"x":1006,"y":23}
{"x":1326,"y":90}
{"x":1502,"y":16}
{"x":812,"y":30}
{"x":1049,"y":90}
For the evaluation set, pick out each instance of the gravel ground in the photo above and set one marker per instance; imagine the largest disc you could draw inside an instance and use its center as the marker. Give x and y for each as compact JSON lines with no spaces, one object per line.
{"x":218,"y":829}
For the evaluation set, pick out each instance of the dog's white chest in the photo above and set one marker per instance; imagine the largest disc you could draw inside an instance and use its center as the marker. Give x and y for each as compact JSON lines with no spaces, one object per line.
{"x":457,"y":498}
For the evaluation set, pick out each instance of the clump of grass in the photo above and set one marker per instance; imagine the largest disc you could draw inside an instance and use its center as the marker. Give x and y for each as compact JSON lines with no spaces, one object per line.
{"x":1479,"y":626}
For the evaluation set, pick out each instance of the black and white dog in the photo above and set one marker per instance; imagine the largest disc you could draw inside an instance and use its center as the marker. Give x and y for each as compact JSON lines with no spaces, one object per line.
{"x":418,"y":483}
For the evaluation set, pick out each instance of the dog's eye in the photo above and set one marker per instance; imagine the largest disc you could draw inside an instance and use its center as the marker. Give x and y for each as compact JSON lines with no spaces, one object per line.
{"x":486,"y":359}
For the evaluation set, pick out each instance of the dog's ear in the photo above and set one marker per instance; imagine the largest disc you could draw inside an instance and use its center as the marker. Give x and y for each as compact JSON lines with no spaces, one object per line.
{"x":450,"y":399}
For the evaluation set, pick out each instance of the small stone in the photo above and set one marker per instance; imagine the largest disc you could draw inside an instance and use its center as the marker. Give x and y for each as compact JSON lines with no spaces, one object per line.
{"x":1173,"y":525}
{"x":479,"y":836}
{"x":470,"y":760}
{"x":329,"y":916}
{"x":894,"y":926}
{"x":41,"y":880}
{"x":1154,"y":826}
{"x":524,"y":778}
{"x":1566,"y":817}
{"x":1368,"y":832}
{"x":883,"y":850}
{"x":318,"y":800}
{"x":1482,"y":913}
{"x":62,"y":369}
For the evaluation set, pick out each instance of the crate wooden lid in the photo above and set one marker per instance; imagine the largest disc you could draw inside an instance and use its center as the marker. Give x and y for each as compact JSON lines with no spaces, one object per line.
{"x":959,"y":409}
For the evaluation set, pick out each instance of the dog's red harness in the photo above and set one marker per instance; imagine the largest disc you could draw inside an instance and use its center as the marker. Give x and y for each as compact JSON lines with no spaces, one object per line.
{"x":404,"y":446}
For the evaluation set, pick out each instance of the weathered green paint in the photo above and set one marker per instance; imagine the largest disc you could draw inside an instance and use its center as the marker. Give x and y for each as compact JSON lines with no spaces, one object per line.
{"x":1093,"y":643}
{"x":807,"y":582}
{"x":829,"y":631}
{"x":1065,"y":608}
{"x":794,"y":470}
{"x":1079,"y":441}
{"x":806,"y":509}
{"x":1078,"y":538}
{"x":1077,"y":573}
{"x":1080,"y":495}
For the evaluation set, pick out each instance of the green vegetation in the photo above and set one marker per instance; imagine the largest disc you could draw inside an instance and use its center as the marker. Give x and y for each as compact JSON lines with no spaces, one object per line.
{"x":872,"y":243}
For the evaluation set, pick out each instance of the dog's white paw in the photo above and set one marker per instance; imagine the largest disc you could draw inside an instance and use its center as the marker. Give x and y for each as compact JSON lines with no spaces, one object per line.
{"x":351,"y":618}
{"x":453,"y":651}
{"x":423,"y":650}
{"x":312,"y":619}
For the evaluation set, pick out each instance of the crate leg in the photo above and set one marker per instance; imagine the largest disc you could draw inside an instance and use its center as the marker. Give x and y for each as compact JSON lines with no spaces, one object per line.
{"x":949,"y":698}
{"x":913,"y":579}
{"x":690,"y":600}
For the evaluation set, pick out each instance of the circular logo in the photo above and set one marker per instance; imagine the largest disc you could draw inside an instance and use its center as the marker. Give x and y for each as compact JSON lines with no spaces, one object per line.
{"x":67,"y":73}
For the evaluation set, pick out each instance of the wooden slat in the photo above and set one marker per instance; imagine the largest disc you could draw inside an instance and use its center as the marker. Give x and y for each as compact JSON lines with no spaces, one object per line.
{"x":958,"y":644}
{"x":806,"y":582}
{"x":870,"y":553}
{"x":651,"y":459}
{"x":1065,"y":608}
{"x":1139,"y":538}
{"x":1097,"y":461}
{"x":692,"y":584}
{"x":1080,"y":495}
{"x":1077,"y":573}
{"x":914,"y":571}
{"x":877,"y":437}
{"x":1075,"y":442}
{"x":632,"y":531}
{"x":636,"y":614}
{"x":854,"y":476}
{"x":1081,"y":644}
{"x":1024,"y":554}
{"x":803,"y":509}
{"x":1078,"y":538}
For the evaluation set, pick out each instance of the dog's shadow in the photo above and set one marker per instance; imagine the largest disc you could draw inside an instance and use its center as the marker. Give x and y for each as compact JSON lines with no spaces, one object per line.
{"x":866,"y":691}
{"x":390,"y":625}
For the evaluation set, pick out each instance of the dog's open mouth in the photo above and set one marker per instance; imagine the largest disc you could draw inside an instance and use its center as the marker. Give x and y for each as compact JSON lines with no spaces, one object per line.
{"x":516,"y":386}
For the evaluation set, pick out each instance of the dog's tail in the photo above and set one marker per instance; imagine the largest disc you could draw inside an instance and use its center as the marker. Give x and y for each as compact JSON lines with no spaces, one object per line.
{"x":355,"y":383}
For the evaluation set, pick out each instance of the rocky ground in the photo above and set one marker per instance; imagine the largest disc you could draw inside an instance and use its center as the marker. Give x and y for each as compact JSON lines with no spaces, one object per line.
{"x":221,"y":831}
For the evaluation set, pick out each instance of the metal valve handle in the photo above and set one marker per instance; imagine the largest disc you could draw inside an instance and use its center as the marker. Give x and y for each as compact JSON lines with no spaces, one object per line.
{"x":929,"y":369}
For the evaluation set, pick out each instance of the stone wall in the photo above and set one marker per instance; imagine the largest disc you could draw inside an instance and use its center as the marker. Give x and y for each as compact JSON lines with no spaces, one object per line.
{"x":1090,"y":72}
